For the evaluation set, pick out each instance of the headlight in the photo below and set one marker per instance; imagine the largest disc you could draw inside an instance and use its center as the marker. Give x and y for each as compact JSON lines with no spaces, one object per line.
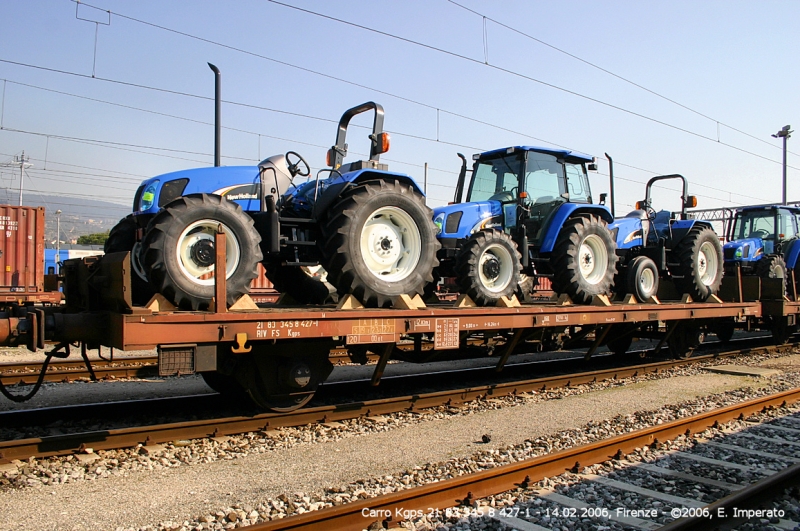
{"x":149,"y":195}
{"x":439,"y":222}
{"x":738,"y":254}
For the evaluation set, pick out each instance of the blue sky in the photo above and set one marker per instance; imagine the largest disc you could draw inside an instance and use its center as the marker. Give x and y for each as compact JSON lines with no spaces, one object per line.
{"x":448,"y":80}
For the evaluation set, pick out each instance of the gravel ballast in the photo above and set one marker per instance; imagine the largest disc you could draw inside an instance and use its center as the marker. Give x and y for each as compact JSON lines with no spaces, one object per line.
{"x":254,"y":471}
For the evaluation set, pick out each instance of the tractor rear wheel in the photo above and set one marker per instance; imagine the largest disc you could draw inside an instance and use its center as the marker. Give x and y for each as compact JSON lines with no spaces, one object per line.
{"x":122,"y":238}
{"x":380,"y":242}
{"x":698,"y":270}
{"x":179,"y":254}
{"x":301,"y":283}
{"x":584,"y":259}
{"x":642,"y":279}
{"x":488,"y":267}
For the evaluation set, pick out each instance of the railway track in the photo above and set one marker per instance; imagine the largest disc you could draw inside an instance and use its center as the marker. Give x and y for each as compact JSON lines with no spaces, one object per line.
{"x":620,"y":464}
{"x":158,"y":433}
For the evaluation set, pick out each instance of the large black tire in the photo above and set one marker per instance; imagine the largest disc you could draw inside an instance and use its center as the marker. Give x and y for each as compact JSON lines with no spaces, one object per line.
{"x":696,"y":263}
{"x":299,"y":284}
{"x":642,"y":279}
{"x":488,"y":267}
{"x":773,"y":266}
{"x":584,"y":259}
{"x":122,"y":238}
{"x":380,"y":242}
{"x":178,"y":250}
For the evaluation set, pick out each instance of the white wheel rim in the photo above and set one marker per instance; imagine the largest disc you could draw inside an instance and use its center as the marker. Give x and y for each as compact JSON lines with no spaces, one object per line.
{"x":391,"y":244}
{"x":197,"y":232}
{"x":707,"y":263}
{"x":647,"y":280}
{"x":500,"y":282}
{"x":593,"y":258}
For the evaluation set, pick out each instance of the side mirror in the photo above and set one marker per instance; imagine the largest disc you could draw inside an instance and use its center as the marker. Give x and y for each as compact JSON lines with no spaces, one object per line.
{"x":591,"y":166}
{"x":603,"y":199}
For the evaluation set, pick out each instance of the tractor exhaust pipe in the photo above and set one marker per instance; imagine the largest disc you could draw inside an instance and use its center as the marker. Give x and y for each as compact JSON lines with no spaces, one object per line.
{"x":611,"y":184}
{"x":217,"y":112}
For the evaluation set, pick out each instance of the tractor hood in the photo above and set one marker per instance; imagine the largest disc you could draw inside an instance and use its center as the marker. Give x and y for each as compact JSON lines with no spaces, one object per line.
{"x":236,"y":183}
{"x":745,"y":250}
{"x":464,"y":219}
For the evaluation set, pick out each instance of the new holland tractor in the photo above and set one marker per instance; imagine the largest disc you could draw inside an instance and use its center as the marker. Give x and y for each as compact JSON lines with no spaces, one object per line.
{"x":664,"y":245}
{"x":528,"y":213}
{"x":763,"y":241}
{"x":368,"y":227}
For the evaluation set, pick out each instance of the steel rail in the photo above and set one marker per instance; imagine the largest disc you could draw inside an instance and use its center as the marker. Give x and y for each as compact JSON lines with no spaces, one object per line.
{"x":463,"y":490}
{"x":69,"y":370}
{"x":159,"y":433}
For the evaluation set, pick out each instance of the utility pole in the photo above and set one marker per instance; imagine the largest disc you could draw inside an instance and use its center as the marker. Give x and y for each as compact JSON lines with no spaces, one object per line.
{"x":22,"y":162}
{"x":784,"y":133}
{"x":58,"y":241}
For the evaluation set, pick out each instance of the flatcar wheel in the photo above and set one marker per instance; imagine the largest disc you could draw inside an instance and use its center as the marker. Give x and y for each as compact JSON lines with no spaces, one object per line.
{"x":684,"y":339}
{"x":285,"y":382}
{"x":621,"y":345}
{"x":782,"y":331}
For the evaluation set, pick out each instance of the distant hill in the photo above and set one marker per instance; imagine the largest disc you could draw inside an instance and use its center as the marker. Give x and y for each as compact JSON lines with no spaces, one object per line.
{"x":78,"y":216}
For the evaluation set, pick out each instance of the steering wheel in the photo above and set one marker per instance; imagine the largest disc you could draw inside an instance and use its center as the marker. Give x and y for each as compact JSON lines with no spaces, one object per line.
{"x":295,"y":167}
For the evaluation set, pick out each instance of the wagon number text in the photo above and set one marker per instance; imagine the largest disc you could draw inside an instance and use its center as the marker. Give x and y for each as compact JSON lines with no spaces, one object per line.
{"x":274,"y":329}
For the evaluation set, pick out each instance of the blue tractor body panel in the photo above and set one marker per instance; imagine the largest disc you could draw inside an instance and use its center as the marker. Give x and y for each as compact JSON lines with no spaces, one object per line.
{"x":746,"y":250}
{"x":464,"y":219}
{"x":628,"y":232}
{"x":241,"y":184}
{"x":563,"y":153}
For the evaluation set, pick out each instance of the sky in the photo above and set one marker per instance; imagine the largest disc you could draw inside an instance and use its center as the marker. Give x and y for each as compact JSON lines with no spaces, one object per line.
{"x":103,"y":94}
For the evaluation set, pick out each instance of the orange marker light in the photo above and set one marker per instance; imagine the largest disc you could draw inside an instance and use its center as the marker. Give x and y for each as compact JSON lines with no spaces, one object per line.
{"x":523,"y":195}
{"x":383,"y":142}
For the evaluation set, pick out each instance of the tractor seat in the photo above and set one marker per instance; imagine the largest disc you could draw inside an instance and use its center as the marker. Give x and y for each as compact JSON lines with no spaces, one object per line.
{"x":637,"y":214}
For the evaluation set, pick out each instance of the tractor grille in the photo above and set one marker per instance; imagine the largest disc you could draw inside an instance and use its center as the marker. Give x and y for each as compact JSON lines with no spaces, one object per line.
{"x":729,"y":254}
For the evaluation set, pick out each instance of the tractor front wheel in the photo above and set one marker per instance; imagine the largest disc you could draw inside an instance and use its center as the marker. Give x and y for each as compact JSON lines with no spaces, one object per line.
{"x":642,"y":279}
{"x":488,"y":267}
{"x":584,"y":259}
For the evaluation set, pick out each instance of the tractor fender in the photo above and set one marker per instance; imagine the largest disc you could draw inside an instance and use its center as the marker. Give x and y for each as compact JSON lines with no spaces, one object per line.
{"x":791,"y":253}
{"x":331,"y":189}
{"x":564,"y":212}
{"x":679,"y":229}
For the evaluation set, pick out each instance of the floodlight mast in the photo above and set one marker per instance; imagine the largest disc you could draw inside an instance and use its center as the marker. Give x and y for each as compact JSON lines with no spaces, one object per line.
{"x":784,"y":133}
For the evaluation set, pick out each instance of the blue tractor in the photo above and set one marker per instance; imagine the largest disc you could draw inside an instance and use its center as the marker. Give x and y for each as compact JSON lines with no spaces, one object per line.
{"x":763,"y":241}
{"x":528,"y":213}
{"x":368,"y":227}
{"x":654,"y":245}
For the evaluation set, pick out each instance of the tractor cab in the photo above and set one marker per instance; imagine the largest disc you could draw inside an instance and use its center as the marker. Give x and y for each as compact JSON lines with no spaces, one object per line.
{"x":761,"y":231}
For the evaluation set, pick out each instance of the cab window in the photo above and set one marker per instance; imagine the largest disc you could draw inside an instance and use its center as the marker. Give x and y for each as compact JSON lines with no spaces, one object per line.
{"x":495,"y":179}
{"x":577,"y":184}
{"x":543,"y":177}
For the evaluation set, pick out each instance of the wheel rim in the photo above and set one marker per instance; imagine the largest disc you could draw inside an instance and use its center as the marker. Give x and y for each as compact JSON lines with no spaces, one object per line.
{"x":647,"y":281}
{"x":593,"y":258}
{"x":391,"y":244}
{"x":195,"y":250}
{"x":707,"y":263}
{"x":495,"y":268}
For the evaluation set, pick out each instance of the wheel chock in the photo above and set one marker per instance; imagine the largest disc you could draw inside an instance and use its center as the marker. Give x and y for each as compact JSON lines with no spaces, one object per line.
{"x":404,"y":302}
{"x":686,"y":299}
{"x":159,"y":303}
{"x":505,"y":302}
{"x":350,"y":303}
{"x":600,"y":300}
{"x":629,"y":298}
{"x":419,"y":302}
{"x":464,"y":301}
{"x":563,"y":300}
{"x":654,"y":300}
{"x":244,"y":303}
{"x":714,"y":298}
